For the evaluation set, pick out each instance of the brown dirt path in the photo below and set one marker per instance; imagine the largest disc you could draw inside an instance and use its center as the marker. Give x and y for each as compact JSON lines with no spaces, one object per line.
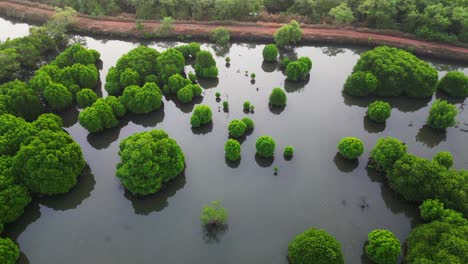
{"x":262,"y":31}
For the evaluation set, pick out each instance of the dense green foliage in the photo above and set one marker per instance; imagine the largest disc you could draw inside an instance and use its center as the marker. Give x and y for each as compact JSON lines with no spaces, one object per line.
{"x":351,"y":147}
{"x":444,"y":240}
{"x":237,"y":128}
{"x":102,"y":114}
{"x":442,"y":115}
{"x":201,"y":116}
{"x":270,"y":53}
{"x":383,"y":248}
{"x":142,"y":100}
{"x":221,"y":36}
{"x":298,"y":70}
{"x":454,"y":84}
{"x":361,"y":84}
{"x":417,"y":179}
{"x":288,"y":34}
{"x":57,"y":96}
{"x":288,"y":152}
{"x":9,"y":251}
{"x":214,"y":214}
{"x":342,"y":14}
{"x":398,"y":73}
{"x":50,"y":163}
{"x":86,"y":97}
{"x":232,"y":149}
{"x":168,"y":63}
{"x":205,"y":65}
{"x":175,"y":83}
{"x":386,"y":152}
{"x":148,"y":160}
{"x":315,"y":246}
{"x":444,"y":158}
{"x":265,"y":146}
{"x":189,"y":50}
{"x":379,"y":111}
{"x":246,"y":106}
{"x":19,"y":99}
{"x":249,"y":123}
{"x":278,"y":97}
{"x":185,"y":95}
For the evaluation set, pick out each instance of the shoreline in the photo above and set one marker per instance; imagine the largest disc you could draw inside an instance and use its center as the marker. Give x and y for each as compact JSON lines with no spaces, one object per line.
{"x":240,"y":31}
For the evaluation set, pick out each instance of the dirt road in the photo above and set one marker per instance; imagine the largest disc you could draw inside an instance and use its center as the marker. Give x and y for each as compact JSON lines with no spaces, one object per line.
{"x":125,"y":27}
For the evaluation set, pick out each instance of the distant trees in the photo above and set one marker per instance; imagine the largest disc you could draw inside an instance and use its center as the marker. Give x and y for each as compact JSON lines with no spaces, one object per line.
{"x":149,"y":160}
{"x":342,"y":14}
{"x":221,"y":36}
{"x":288,"y":34}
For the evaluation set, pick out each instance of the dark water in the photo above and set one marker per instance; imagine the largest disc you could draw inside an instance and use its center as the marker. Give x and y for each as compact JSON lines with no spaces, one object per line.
{"x":99,"y":223}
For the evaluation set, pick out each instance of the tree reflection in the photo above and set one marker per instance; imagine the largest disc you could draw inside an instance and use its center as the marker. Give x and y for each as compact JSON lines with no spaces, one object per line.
{"x":264,"y":162}
{"x":373,"y":127}
{"x":345,"y":165}
{"x":212,"y":233}
{"x":431,"y":137}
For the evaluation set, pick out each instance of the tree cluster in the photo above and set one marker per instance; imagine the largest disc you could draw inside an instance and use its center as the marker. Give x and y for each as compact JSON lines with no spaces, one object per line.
{"x":351,"y":147}
{"x":454,"y":84}
{"x":201,"y":116}
{"x":383,"y":247}
{"x":205,"y":65}
{"x":298,"y":70}
{"x":149,"y":160}
{"x":102,"y":114}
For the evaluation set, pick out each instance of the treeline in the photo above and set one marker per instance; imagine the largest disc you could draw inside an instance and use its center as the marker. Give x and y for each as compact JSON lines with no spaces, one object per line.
{"x":441,"y":20}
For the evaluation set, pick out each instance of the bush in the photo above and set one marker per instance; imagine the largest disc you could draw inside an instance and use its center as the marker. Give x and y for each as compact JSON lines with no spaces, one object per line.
{"x":185,"y":95}
{"x":351,"y":147}
{"x":192,"y":77}
{"x":116,"y":105}
{"x":265,"y":146}
{"x":278,"y":97}
{"x":10,"y":251}
{"x":288,"y":152}
{"x":57,"y":96}
{"x":288,"y":34}
{"x":246,"y":106}
{"x":398,"y":73}
{"x":20,"y":100}
{"x":100,"y":115}
{"x":270,"y":53}
{"x":201,"y":116}
{"x":444,"y":158}
{"x":196,"y":89}
{"x":148,"y":160}
{"x":442,"y":115}
{"x":129,"y":77}
{"x":221,"y":36}
{"x":315,"y":246}
{"x":361,"y":84}
{"x":226,"y":105}
{"x":86,"y":97}
{"x":431,"y":210}
{"x":50,"y":164}
{"x":214,"y":214}
{"x":387,"y":151}
{"x":454,"y":84}
{"x":142,"y":100}
{"x":379,"y":111}
{"x":167,"y":26}
{"x":205,"y":65}
{"x":168,"y":63}
{"x":297,"y":71}
{"x":233,"y":150}
{"x":13,"y":197}
{"x":175,"y":83}
{"x":237,"y":128}
{"x":383,"y":247}
{"x":249,"y":123}
{"x":285,"y":62}
{"x":218,"y":95}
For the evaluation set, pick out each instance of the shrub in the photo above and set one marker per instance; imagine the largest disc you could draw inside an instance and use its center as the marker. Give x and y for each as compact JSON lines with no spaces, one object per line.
{"x":398,"y":72}
{"x":218,"y":95}
{"x":116,"y":105}
{"x":225,"y":105}
{"x":387,"y":151}
{"x":185,"y":95}
{"x":246,"y":106}
{"x":129,"y":77}
{"x":315,"y":246}
{"x":296,"y":71}
{"x":444,"y":158}
{"x":454,"y":84}
{"x":383,"y":247}
{"x":288,"y":34}
{"x":148,"y":160}
{"x":142,"y":100}
{"x":232,"y":149}
{"x":277,"y":97}
{"x":265,"y":146}
{"x":379,"y":111}
{"x":168,"y":63}
{"x":48,"y":122}
{"x":351,"y":147}
{"x":431,"y":210}
{"x":86,"y":97}
{"x":13,"y":197}
{"x":288,"y":152}
{"x":249,"y":123}
{"x":285,"y":62}
{"x":228,"y":60}
{"x":57,"y":96}
{"x":442,"y":115}
{"x":196,"y":89}
{"x":252,"y":76}
{"x":167,"y":26}
{"x":49,"y":164}
{"x":270,"y":53}
{"x":201,"y":115}
{"x":175,"y":83}
{"x":221,"y":36}
{"x":361,"y":84}
{"x":20,"y":100}
{"x":205,"y":65}
{"x":342,"y":14}
{"x":214,"y":214}
{"x":100,"y":115}
{"x":237,"y":128}
{"x":307,"y":62}
{"x":10,"y":251}
{"x":192,"y":77}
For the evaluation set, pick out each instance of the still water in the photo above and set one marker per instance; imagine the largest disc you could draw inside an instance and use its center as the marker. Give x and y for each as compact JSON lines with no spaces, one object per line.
{"x":98,"y":222}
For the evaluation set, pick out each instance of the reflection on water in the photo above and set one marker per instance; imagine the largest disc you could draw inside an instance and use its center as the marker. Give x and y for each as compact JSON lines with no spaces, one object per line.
{"x":203,"y":130}
{"x":212,"y":233}
{"x":98,"y":222}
